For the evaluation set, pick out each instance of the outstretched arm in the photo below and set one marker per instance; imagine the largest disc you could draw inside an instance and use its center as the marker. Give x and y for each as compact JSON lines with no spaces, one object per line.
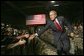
{"x":41,"y":31}
{"x":20,"y":42}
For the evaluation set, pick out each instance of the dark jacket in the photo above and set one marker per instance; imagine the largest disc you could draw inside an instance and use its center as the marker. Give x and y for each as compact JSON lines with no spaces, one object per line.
{"x":50,"y":24}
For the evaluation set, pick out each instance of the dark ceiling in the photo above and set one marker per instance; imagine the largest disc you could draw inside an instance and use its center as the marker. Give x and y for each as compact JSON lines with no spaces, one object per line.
{"x":15,"y":11}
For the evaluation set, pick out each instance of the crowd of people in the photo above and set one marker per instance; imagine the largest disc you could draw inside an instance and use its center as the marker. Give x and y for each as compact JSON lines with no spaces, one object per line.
{"x":8,"y":33}
{"x":77,"y":39}
{"x":8,"y":36}
{"x":78,"y":30}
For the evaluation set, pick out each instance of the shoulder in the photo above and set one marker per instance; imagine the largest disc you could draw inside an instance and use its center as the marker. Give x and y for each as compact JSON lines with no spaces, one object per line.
{"x":61,"y":17}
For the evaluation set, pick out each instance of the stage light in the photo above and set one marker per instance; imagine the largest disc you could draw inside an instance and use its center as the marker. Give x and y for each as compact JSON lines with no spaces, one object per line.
{"x":52,"y":1}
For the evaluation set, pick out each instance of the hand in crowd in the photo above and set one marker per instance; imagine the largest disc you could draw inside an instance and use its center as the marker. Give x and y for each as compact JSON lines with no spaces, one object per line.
{"x":23,"y":36}
{"x":31,"y":36}
{"x":26,"y":35}
{"x":20,"y":42}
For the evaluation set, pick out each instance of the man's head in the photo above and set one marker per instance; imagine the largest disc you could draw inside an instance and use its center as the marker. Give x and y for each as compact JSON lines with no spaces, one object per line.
{"x":52,"y":14}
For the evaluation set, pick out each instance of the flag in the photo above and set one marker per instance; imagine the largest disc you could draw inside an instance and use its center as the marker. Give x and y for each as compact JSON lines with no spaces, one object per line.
{"x":36,"y":19}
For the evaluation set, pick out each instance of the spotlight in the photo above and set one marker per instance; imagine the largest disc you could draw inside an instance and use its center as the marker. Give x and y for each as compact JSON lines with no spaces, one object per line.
{"x":52,"y":1}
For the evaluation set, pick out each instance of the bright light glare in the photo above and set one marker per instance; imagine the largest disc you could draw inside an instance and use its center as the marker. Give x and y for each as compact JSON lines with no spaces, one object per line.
{"x":52,"y":1}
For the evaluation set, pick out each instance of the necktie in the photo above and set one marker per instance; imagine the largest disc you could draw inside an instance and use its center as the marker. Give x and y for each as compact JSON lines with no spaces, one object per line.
{"x":58,"y":26}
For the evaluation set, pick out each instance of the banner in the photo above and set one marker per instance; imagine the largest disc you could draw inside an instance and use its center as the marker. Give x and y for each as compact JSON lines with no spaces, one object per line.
{"x":36,"y":19}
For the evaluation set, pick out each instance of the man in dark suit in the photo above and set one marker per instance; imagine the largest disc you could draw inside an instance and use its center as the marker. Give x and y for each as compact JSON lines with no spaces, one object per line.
{"x":57,"y":23}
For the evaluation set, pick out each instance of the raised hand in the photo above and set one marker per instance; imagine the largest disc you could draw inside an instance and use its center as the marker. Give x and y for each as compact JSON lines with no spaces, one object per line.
{"x":23,"y":36}
{"x":26,"y":35}
{"x":20,"y":42}
{"x":31,"y":36}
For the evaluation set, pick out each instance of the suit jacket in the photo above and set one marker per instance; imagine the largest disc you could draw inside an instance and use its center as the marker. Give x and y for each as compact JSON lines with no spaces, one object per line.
{"x":50,"y":24}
